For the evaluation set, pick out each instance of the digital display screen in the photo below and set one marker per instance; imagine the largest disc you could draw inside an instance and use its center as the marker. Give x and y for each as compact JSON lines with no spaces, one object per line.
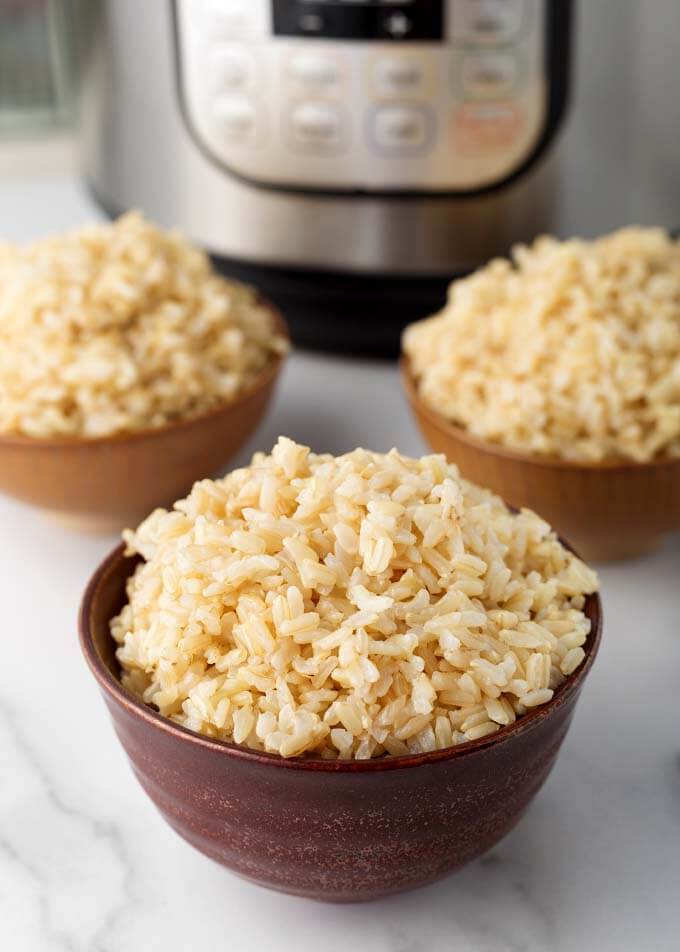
{"x":346,"y":19}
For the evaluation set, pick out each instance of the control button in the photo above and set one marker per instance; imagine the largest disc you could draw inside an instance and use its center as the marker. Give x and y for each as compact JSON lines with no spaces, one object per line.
{"x":487,"y":21}
{"x":237,"y":118}
{"x":487,"y":127}
{"x":491,"y":74}
{"x":397,"y":25}
{"x":314,"y":72}
{"x":316,"y":126}
{"x":231,"y":69}
{"x":400,"y":128}
{"x":234,"y":19}
{"x":399,"y":76}
{"x":311,"y":23}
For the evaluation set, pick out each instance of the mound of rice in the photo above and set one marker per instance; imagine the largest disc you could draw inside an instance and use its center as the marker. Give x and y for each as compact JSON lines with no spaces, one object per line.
{"x":121,"y":327}
{"x":348,"y":607}
{"x":571,"y":350}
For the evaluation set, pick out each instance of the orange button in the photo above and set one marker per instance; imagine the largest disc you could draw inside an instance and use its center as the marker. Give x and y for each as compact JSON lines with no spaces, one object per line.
{"x":485,"y":127}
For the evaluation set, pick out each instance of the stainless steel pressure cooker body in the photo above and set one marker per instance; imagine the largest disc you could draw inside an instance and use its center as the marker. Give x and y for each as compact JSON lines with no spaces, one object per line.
{"x":349,"y":158}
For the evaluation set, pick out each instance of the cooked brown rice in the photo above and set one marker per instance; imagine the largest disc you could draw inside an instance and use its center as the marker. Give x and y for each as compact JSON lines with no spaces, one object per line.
{"x":120,"y":327}
{"x":572,"y":349}
{"x":348,"y":607}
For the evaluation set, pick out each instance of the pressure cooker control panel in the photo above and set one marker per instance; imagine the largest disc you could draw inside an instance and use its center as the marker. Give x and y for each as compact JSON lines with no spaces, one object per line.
{"x":426,"y":95}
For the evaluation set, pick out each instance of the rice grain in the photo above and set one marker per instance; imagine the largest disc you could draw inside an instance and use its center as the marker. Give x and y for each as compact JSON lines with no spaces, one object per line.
{"x":270,"y":628}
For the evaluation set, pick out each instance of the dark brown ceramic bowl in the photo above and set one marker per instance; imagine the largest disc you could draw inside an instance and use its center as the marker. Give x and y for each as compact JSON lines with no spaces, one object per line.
{"x":332,"y":830}
{"x":611,"y":510}
{"x":104,"y":484}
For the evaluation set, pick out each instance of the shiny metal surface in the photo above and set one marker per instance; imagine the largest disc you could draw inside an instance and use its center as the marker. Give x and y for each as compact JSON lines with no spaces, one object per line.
{"x":615,"y":162}
{"x":619,"y":155}
{"x":137,"y":153}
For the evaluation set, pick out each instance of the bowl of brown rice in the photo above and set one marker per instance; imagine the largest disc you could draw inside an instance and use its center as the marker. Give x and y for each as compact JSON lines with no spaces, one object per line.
{"x":554,"y":379}
{"x":128,"y":369}
{"x":344,"y":676}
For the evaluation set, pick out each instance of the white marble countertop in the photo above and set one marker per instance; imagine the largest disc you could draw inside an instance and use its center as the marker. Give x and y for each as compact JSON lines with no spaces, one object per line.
{"x":87,"y":865}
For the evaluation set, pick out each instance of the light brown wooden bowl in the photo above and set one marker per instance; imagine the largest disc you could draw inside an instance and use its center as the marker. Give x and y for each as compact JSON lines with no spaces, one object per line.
{"x":608,"y":511}
{"x":105,"y":484}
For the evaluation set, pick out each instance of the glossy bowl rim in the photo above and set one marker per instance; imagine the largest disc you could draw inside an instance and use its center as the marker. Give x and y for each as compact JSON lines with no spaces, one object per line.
{"x":461,"y":435}
{"x":264,"y":378}
{"x":116,"y":693}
